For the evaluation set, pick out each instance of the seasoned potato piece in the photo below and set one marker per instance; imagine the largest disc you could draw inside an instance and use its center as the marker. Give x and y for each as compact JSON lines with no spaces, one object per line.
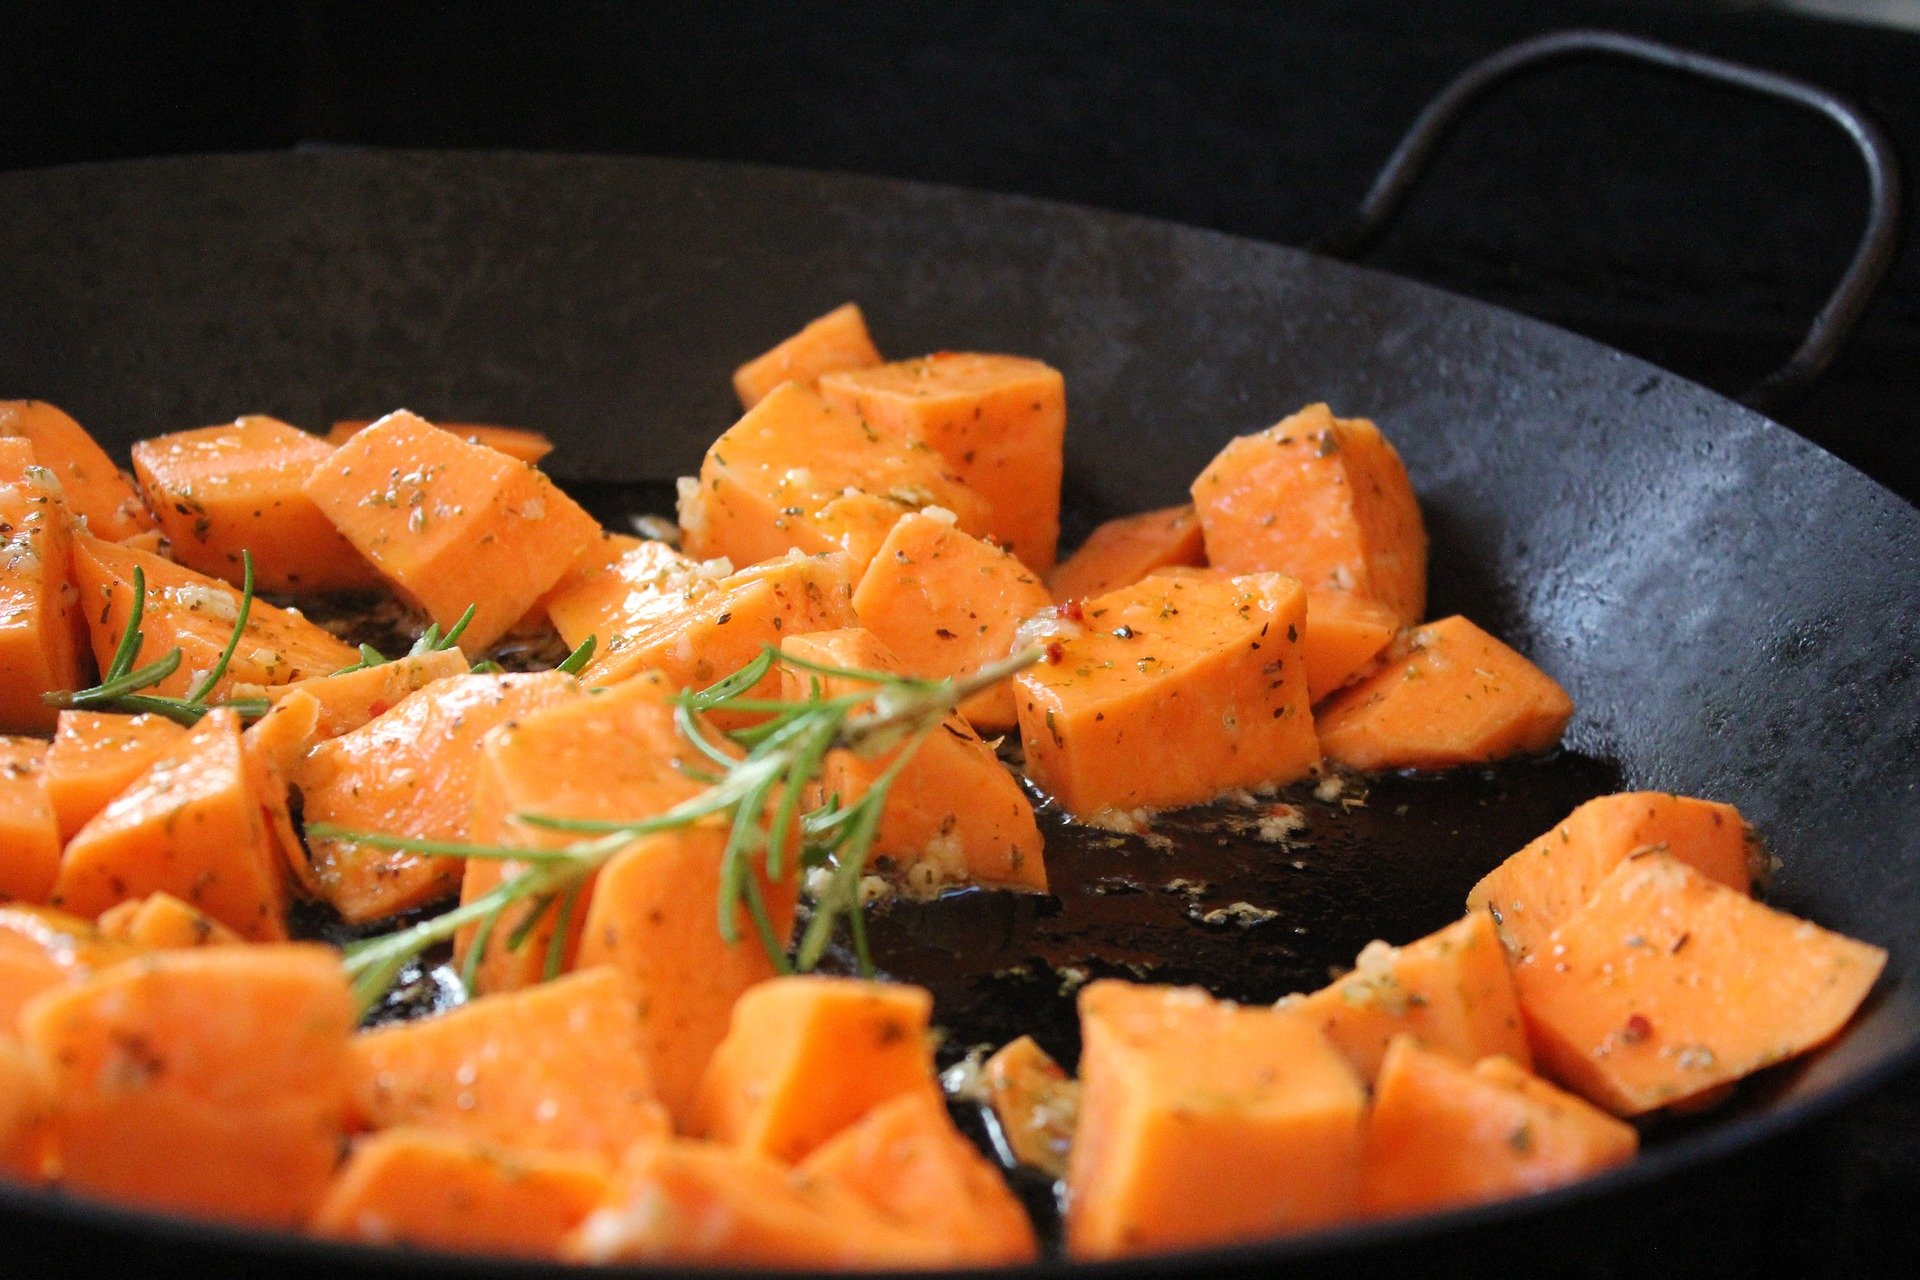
{"x":1121,"y":552}
{"x":837,"y":340}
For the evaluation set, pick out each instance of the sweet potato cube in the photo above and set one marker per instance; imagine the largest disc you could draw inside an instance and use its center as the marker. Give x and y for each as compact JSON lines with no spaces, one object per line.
{"x":96,"y":491}
{"x":1205,"y":1123}
{"x":161,"y":922}
{"x":1121,"y":552}
{"x":409,"y":772}
{"x":1666,"y":985}
{"x":807,"y":1056}
{"x":195,"y":614}
{"x":947,"y":604}
{"x":191,"y":826}
{"x":515,"y":442}
{"x":1178,"y":689}
{"x":1000,"y":422}
{"x":593,"y":597}
{"x":1442,"y":1133}
{"x":1036,"y":1104}
{"x":451,"y":524}
{"x":43,"y":638}
{"x":907,"y":1160}
{"x":1343,"y":636}
{"x":1322,"y":499}
{"x":1451,"y":989}
{"x":799,"y":472}
{"x":652,"y":917}
{"x":222,"y":490}
{"x":953,"y":814}
{"x":29,"y":832}
{"x":42,"y":948}
{"x":556,"y":1067}
{"x":349,"y":699}
{"x":23,"y":1114}
{"x":97,"y":755}
{"x":837,"y":340}
{"x":1532,"y":893}
{"x":431,"y":1190}
{"x":211,"y":1081}
{"x":695,"y":1202}
{"x":1446,"y":694}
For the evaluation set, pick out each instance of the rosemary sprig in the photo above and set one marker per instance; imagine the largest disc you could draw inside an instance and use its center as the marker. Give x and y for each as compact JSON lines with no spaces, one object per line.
{"x":577,"y":661}
{"x":430,"y":641}
{"x":756,"y":788}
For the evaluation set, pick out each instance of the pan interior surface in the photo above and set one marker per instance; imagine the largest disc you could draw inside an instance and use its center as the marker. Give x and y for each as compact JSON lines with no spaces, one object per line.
{"x":1730,"y":607}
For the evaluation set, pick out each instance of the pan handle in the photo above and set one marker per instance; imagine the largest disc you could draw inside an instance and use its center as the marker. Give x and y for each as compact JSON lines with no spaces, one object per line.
{"x":1786,"y":385}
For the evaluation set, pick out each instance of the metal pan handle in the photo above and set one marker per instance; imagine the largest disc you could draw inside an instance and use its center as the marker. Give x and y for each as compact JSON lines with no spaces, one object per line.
{"x":1786,"y":385}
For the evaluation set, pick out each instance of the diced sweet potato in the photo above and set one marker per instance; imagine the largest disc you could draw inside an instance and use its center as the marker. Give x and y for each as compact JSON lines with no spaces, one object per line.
{"x":43,"y":638}
{"x":907,"y":1160}
{"x":96,"y":490}
{"x":1446,"y":694}
{"x":161,"y":922}
{"x":349,"y":699}
{"x":954,"y":814}
{"x":222,"y":490}
{"x":29,"y":832}
{"x":211,"y":1081}
{"x":947,"y":604}
{"x":592,"y":597}
{"x":652,"y":916}
{"x":1121,"y":552}
{"x":431,"y":1190}
{"x":1323,"y":499}
{"x":1036,"y":1104}
{"x":1204,"y":1123}
{"x":1343,"y":636}
{"x":799,"y":472}
{"x":1532,"y":893}
{"x":1666,"y":985}
{"x":837,"y":340}
{"x":807,"y":1056}
{"x":697,"y":629}
{"x":515,"y":442}
{"x":42,"y":948}
{"x":97,"y":755}
{"x":409,"y":772}
{"x":195,"y":614}
{"x":1178,"y":689}
{"x":451,"y":524}
{"x":1442,"y":1133}
{"x":1000,"y":422}
{"x":557,"y":1067}
{"x":23,"y":1113}
{"x":694,"y":1202}
{"x":192,"y":826}
{"x":1451,"y":989}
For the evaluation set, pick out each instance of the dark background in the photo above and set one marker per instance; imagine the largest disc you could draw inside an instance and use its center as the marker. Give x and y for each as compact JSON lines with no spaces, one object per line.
{"x":1692,"y":226}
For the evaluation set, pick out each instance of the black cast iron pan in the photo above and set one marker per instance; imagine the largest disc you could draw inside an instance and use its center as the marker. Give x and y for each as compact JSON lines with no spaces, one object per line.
{"x":1732,"y":608}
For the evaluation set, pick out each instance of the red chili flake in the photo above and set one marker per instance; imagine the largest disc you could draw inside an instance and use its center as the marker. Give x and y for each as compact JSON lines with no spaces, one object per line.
{"x":1636,"y":1030}
{"x":1073,"y":611}
{"x":1056,"y":652}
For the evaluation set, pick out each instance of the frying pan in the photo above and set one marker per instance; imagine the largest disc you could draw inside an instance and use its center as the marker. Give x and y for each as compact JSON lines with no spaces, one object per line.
{"x":1731,"y":607}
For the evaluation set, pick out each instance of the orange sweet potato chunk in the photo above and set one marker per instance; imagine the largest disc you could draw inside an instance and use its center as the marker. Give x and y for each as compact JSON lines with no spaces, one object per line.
{"x":211,"y":1081}
{"x":96,"y":490}
{"x":1446,"y":694}
{"x":556,"y":1067}
{"x":1343,"y":636}
{"x":222,"y":490}
{"x":451,"y":524}
{"x":350,"y":699}
{"x":807,"y":1056}
{"x":592,"y":597}
{"x":195,"y":614}
{"x":907,"y":1160}
{"x":799,"y":472}
{"x":515,"y":442}
{"x":430,"y":1190}
{"x":1533,"y":892}
{"x":954,"y":814}
{"x":835,"y":341}
{"x":97,"y":755}
{"x":1323,"y":499}
{"x":1036,"y":1104}
{"x":161,"y":922}
{"x":1179,"y":688}
{"x":42,"y":948}
{"x":1451,"y":989}
{"x":409,"y":772}
{"x":1205,"y":1123}
{"x":1000,"y":422}
{"x":1666,"y":985}
{"x":695,"y":1202}
{"x":1442,"y":1133}
{"x":947,"y":604}
{"x":23,"y":1113}
{"x":1121,"y":552}
{"x":43,"y":638}
{"x":192,"y":826}
{"x":29,"y":833}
